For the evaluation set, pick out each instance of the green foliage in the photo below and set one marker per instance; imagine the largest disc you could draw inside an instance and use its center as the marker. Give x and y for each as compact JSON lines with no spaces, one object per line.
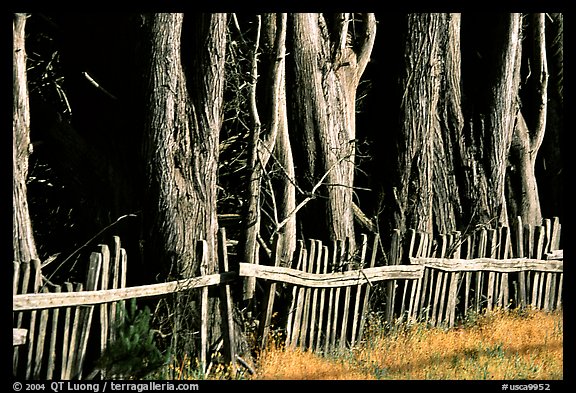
{"x":134,"y":353}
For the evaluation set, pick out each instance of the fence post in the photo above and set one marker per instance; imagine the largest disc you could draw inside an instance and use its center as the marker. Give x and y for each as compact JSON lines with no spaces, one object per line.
{"x":295,"y":313}
{"x":313,"y":330}
{"x":202,"y":255}
{"x":270,"y":293}
{"x":357,"y":310}
{"x":324,"y":269}
{"x":368,"y":287}
{"x":226,"y":301}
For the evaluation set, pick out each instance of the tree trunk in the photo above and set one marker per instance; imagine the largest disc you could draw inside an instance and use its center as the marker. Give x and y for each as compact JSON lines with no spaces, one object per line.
{"x":526,"y":142}
{"x":550,"y":161}
{"x":23,"y":244}
{"x":181,"y":144}
{"x":270,"y":138}
{"x":490,"y":82}
{"x":326,"y":75}
{"x":181,"y":150}
{"x":425,"y":187}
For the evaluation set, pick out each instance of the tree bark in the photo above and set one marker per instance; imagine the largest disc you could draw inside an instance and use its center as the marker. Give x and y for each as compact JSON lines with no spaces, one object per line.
{"x":490,"y":82}
{"x":523,"y":190}
{"x":423,"y":187}
{"x":326,"y":75}
{"x":181,"y":153}
{"x":24,"y":247}
{"x":181,"y":144}
{"x":501,"y":117}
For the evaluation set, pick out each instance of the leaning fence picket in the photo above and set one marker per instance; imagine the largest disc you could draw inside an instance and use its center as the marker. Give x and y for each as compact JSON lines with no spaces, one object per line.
{"x":35,"y":274}
{"x":468,"y":275}
{"x":104,"y":279}
{"x":324,"y":270}
{"x":367,"y":290}
{"x":357,"y":310}
{"x":411,"y":251}
{"x":226,"y":297}
{"x":395,"y":258}
{"x":347,"y":293}
{"x":314,"y":329}
{"x":336,"y":260}
{"x":115,"y":283}
{"x":454,"y":280}
{"x":492,"y":249}
{"x":298,"y":300}
{"x":40,"y":339}
{"x":305,"y":327}
{"x":55,"y":313}
{"x":92,"y":279}
{"x":269,"y":294}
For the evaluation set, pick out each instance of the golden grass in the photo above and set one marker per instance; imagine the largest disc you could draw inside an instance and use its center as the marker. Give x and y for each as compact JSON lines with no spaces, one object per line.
{"x":496,"y":345}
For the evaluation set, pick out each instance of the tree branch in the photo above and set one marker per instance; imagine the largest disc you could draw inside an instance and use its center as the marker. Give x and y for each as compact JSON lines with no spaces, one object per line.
{"x":541,"y":61}
{"x":367,"y":45}
{"x":310,"y":196}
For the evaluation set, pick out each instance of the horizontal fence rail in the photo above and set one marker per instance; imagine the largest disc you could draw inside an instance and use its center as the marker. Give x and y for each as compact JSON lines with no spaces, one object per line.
{"x":37,"y":301}
{"x":331,"y":280}
{"x":490,"y":265}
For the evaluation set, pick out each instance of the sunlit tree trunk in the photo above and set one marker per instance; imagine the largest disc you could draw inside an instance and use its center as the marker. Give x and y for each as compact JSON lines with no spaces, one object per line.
{"x":181,"y":147}
{"x":523,"y":191}
{"x":489,"y":85}
{"x":24,"y":247}
{"x":425,"y":189}
{"x":328,"y":62}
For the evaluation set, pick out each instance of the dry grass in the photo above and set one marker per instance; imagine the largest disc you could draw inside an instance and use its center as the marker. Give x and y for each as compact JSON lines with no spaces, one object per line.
{"x":497,"y":345}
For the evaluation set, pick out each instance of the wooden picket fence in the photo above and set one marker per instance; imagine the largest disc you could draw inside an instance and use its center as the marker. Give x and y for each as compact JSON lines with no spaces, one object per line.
{"x":485,"y":269}
{"x":106,"y":291}
{"x":53,"y":337}
{"x":422,"y":278}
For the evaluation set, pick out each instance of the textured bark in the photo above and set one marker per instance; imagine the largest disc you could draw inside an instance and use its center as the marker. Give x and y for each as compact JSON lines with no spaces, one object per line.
{"x":24,"y":247}
{"x":501,"y":118}
{"x":452,"y":169}
{"x":491,"y":85}
{"x":326,"y":76}
{"x":181,"y":152}
{"x":422,"y":162}
{"x":181,"y":144}
{"x":523,"y":191}
{"x":550,"y":162}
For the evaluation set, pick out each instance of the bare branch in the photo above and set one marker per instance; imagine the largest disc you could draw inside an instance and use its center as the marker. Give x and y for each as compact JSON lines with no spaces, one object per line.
{"x":542,"y":64}
{"x":311,"y":195}
{"x":365,"y":50}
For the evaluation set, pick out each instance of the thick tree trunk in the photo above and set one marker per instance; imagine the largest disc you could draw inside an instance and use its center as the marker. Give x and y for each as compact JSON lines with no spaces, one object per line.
{"x":181,"y":153}
{"x":501,"y":117}
{"x":24,"y":247}
{"x":550,"y":162}
{"x":181,"y":144}
{"x":425,"y":183}
{"x":324,"y":92}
